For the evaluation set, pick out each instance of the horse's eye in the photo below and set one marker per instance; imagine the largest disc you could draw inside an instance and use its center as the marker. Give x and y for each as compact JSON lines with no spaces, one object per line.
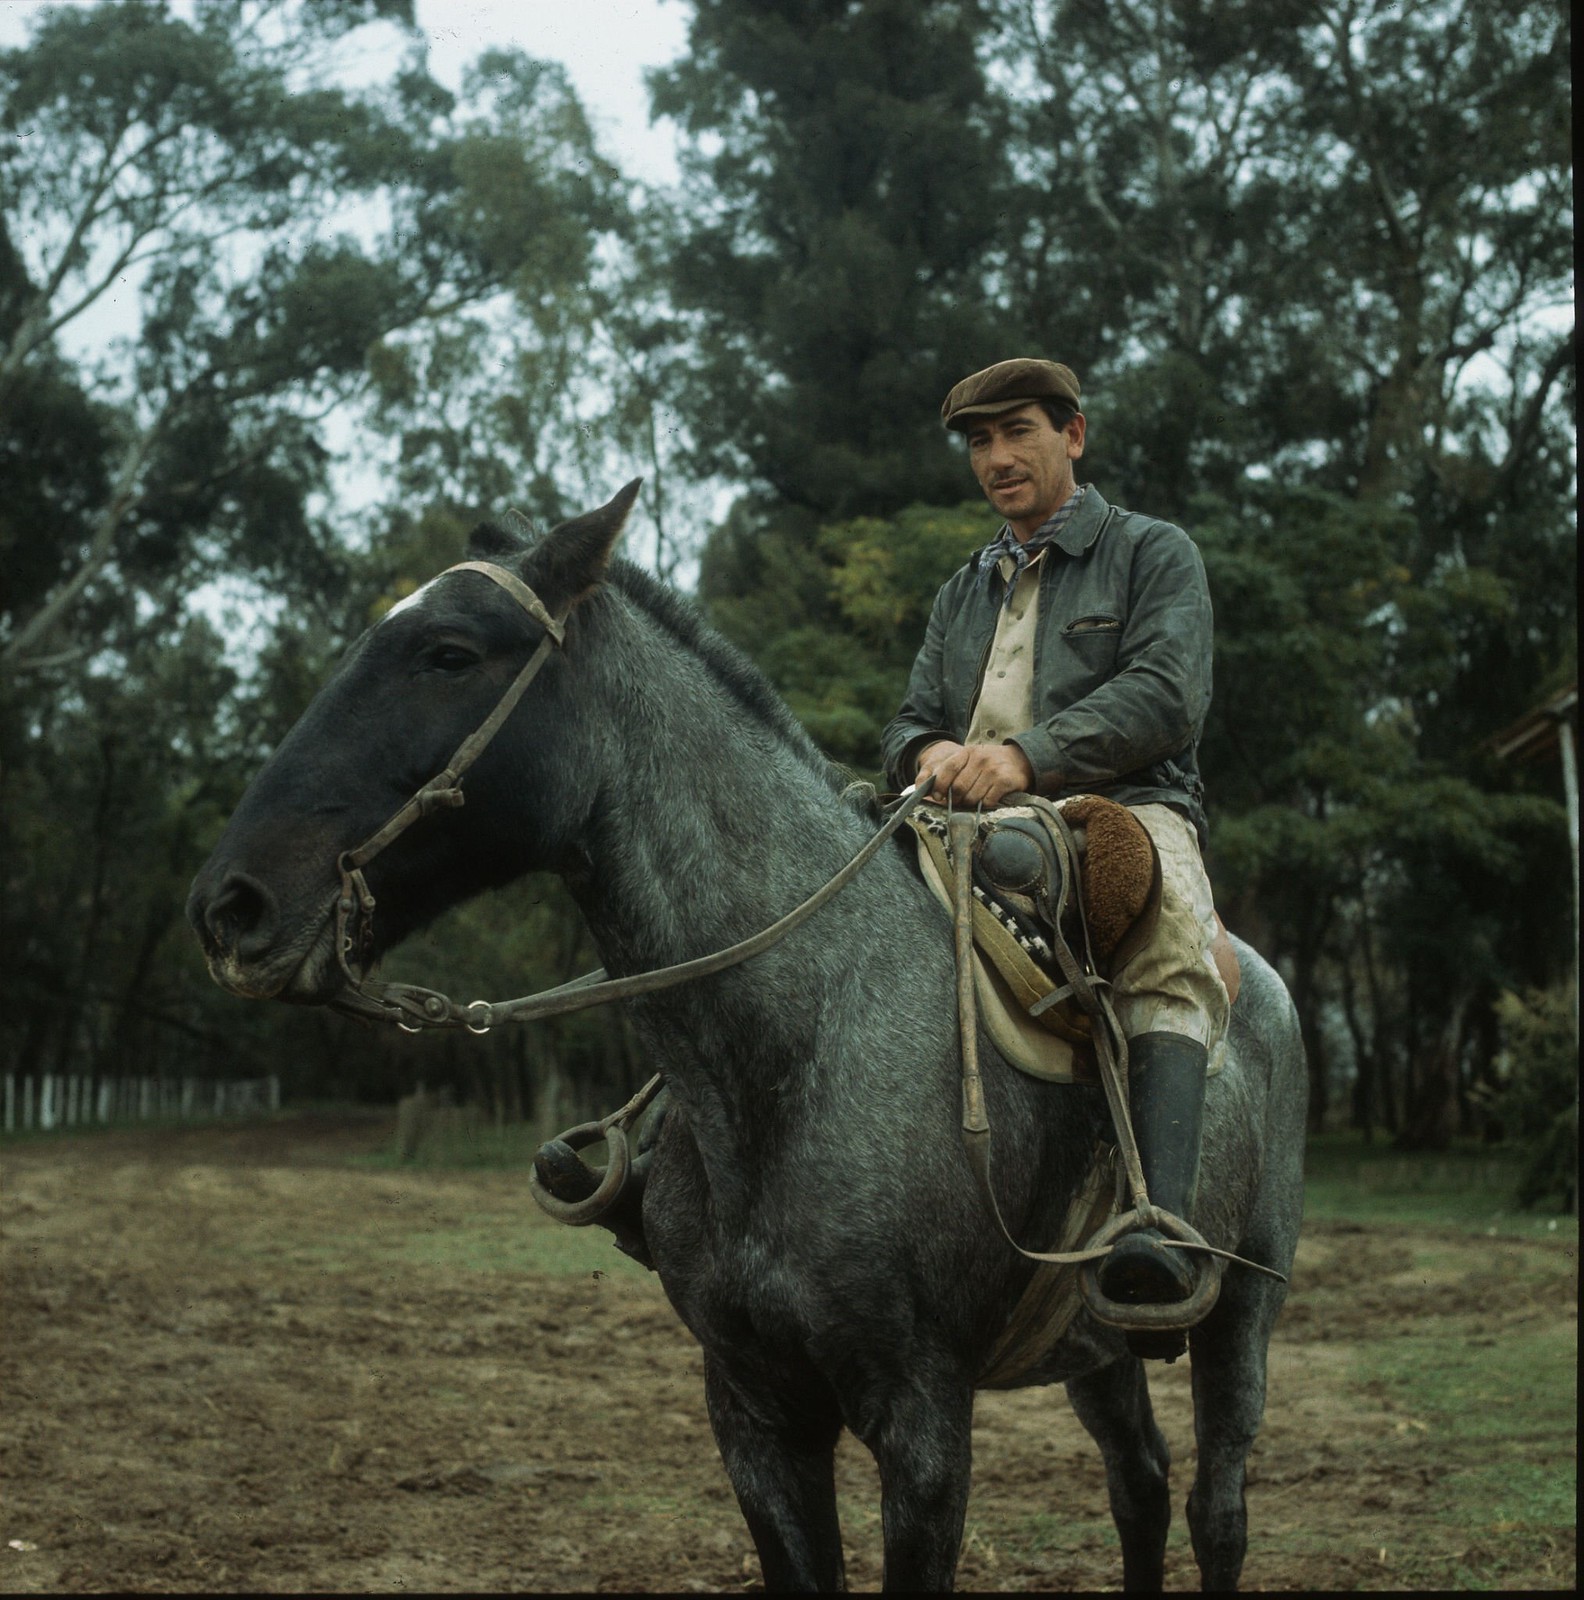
{"x":449,"y":658}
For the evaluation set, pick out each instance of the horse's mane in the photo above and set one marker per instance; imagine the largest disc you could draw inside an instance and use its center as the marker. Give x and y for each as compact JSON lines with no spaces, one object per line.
{"x":746,"y":684}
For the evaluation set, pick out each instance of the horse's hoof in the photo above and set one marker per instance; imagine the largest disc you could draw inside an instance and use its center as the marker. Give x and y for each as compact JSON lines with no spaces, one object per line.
{"x":1157,"y":1344}
{"x":563,"y":1174}
{"x":1141,"y":1271}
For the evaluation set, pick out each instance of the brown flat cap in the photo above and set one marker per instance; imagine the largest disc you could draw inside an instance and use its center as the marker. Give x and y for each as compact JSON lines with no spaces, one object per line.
{"x":1005,"y":386}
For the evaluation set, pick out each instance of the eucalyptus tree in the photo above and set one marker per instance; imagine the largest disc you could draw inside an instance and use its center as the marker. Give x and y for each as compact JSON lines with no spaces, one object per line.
{"x":211,"y":246}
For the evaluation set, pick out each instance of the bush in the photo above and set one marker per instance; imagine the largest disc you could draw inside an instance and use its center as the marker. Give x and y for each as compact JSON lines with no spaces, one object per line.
{"x":1536,"y":1101}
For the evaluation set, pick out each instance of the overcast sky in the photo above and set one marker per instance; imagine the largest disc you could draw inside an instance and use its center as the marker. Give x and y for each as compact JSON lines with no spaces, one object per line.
{"x":604,"y":45}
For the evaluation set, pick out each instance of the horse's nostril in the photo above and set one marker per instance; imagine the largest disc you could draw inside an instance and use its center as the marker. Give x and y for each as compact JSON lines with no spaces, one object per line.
{"x":242,"y":914}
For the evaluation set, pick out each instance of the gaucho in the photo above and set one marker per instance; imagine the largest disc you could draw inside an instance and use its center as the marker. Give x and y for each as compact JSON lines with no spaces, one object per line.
{"x":1072,"y":655}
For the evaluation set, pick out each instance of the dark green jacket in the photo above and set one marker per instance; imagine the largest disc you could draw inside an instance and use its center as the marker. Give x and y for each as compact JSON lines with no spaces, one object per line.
{"x":1121,"y":664}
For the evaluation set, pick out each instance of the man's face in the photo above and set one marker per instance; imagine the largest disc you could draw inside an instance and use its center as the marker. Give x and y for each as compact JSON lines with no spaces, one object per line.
{"x":1023,"y":464}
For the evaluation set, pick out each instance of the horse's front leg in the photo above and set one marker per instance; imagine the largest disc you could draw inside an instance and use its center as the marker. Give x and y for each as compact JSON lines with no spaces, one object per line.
{"x":922,"y":1440}
{"x":779,"y":1447}
{"x":1229,"y":1352}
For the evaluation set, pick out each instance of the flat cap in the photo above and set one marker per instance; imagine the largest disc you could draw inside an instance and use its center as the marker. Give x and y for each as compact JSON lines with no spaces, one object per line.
{"x":1005,"y":386}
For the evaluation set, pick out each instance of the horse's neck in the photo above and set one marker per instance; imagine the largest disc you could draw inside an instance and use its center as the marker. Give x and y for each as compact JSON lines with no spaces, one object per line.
{"x":713,"y":827}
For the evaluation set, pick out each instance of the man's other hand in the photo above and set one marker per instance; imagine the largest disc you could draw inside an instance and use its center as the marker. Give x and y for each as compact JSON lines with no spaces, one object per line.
{"x":972,"y":775}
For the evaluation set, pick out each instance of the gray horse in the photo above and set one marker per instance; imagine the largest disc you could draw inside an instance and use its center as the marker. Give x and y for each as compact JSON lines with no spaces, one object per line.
{"x":808,"y":1207}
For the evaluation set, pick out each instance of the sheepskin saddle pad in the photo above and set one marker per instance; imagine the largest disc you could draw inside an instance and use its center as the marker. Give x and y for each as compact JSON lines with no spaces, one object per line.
{"x":1014,"y":964}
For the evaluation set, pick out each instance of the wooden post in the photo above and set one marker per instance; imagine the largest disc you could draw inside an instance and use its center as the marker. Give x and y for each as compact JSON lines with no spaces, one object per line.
{"x":1570,"y":787}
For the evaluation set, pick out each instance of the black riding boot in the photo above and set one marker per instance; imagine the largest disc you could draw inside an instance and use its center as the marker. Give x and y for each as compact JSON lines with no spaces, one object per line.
{"x":1166,"y":1086}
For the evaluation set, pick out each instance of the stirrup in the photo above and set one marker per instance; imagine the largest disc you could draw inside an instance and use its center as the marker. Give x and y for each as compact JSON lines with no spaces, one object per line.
{"x":579,"y":1213}
{"x":1143,"y":1317}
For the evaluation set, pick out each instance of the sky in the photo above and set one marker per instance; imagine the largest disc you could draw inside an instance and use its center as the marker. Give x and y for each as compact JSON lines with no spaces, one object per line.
{"x":605,"y":45}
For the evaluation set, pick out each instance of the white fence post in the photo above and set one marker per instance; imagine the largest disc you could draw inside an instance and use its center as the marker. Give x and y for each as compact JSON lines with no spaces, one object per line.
{"x":106,"y":1096}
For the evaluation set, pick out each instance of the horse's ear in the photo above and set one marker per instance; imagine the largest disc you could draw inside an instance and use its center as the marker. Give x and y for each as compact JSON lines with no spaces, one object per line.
{"x":570,"y":561}
{"x":490,"y":541}
{"x":517,"y":523}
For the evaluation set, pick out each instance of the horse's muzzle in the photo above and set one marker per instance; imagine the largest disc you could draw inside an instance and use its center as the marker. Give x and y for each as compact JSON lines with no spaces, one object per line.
{"x":251,"y":954}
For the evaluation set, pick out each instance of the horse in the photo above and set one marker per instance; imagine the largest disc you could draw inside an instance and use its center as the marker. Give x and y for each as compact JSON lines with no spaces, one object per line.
{"x":808,"y":1205}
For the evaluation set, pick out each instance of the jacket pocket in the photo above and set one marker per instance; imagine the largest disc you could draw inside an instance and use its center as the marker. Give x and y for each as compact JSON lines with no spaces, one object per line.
{"x":1100,"y":622}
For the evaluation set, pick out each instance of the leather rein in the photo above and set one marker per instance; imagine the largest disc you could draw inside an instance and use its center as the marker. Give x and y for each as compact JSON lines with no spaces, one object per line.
{"x":414,"y":1008}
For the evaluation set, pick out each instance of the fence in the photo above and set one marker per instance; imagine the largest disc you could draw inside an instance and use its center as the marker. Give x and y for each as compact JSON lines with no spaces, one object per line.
{"x":69,"y":1100}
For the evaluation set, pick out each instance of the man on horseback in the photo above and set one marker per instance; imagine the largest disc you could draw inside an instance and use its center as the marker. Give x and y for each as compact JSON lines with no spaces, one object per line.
{"x":1072,"y":655}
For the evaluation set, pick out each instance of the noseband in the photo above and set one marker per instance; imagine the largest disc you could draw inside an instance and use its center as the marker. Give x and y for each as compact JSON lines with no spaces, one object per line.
{"x":354,"y":918}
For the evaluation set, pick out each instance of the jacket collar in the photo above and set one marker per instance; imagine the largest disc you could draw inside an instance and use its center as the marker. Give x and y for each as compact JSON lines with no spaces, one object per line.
{"x":1083,"y":527}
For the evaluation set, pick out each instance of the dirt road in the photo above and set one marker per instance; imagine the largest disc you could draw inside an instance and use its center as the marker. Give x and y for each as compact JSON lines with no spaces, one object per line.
{"x":247,"y":1358}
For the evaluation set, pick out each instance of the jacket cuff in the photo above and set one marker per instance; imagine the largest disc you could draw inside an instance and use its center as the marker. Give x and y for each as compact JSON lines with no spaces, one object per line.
{"x":906,"y":768}
{"x":1042,"y":753}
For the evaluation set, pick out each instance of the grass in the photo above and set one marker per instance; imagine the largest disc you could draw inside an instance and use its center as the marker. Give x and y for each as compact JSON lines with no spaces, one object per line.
{"x":1469,"y":1188}
{"x":450,"y":1144}
{"x":1498,"y":1417}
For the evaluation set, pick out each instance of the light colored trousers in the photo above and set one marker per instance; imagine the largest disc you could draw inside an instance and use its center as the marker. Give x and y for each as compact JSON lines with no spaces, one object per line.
{"x":1171,"y":985}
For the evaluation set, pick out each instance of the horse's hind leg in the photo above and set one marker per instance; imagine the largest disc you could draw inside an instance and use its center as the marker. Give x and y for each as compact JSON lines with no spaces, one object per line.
{"x":779,"y":1450}
{"x":1114,"y":1405}
{"x":1228,"y":1352}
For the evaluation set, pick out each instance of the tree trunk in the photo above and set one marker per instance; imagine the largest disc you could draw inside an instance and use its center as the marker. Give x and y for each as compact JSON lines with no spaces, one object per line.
{"x":1431,"y":1118}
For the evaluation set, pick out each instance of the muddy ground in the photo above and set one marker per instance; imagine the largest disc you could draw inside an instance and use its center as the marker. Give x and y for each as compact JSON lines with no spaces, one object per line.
{"x":250,"y":1359}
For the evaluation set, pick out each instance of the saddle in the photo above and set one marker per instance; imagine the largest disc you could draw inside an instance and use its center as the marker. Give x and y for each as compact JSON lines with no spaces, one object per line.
{"x":1025,"y":1006}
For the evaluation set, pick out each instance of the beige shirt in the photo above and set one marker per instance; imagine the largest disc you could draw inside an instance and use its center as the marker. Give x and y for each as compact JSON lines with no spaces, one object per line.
{"x":1005,"y":704}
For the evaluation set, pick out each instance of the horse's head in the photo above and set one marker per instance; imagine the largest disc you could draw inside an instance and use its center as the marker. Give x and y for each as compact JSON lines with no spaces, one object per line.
{"x":407,"y":695}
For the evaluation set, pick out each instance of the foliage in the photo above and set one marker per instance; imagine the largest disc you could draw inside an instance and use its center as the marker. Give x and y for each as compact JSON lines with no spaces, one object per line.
{"x":280,"y":248}
{"x":1311,"y":259}
{"x":843,"y":187}
{"x":1536,"y":1099}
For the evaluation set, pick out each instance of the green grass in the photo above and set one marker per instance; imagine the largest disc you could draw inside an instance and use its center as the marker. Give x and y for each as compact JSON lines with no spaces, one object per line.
{"x":1469,"y":1188}
{"x":525,"y":1241}
{"x":1498,"y":1415}
{"x":449,"y":1146}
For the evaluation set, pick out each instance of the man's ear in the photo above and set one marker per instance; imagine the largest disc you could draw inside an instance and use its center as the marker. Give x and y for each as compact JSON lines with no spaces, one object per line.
{"x":570,"y":562}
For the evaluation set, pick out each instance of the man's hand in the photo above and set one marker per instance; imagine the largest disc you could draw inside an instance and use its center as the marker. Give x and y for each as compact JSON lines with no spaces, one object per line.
{"x":981,"y":774}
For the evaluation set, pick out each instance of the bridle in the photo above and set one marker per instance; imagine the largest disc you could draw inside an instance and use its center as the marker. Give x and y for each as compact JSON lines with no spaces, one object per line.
{"x":354,"y":912}
{"x":414,"y":1008}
